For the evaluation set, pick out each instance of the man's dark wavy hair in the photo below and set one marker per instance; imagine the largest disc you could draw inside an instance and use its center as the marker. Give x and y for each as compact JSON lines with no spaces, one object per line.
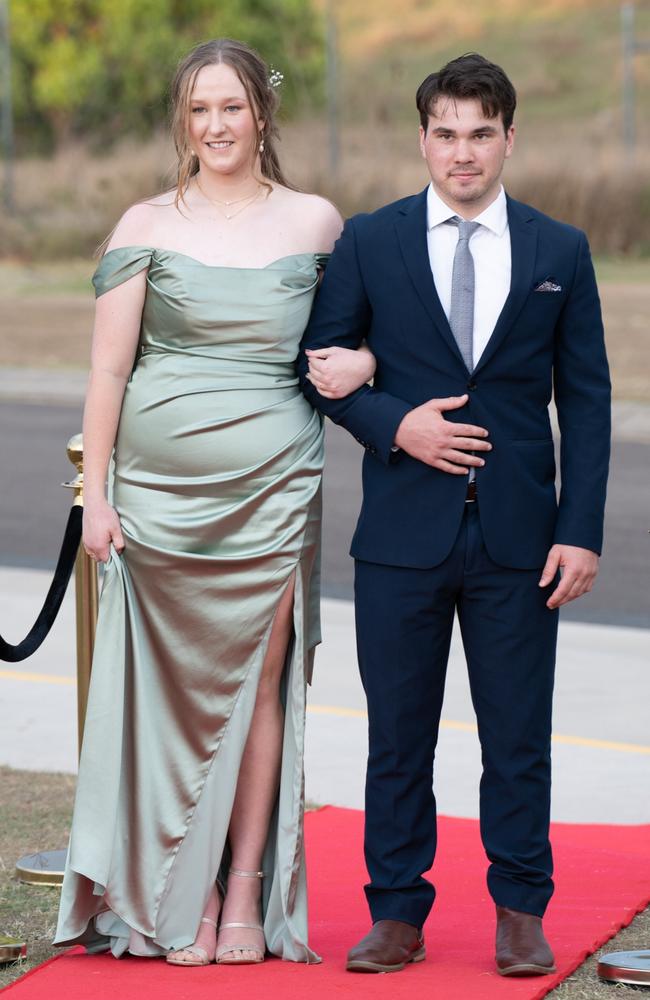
{"x":472,"y":77}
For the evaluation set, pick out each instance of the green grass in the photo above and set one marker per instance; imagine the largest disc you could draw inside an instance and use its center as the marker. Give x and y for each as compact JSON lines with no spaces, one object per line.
{"x":36,"y":810}
{"x":67,"y":277}
{"x":622,"y":270}
{"x":72,"y":277}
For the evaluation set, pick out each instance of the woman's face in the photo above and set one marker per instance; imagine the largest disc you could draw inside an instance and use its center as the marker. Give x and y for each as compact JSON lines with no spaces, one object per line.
{"x":223,"y":130}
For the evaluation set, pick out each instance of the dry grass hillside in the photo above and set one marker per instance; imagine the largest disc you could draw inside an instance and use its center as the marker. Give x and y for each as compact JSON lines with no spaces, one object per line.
{"x":564,"y":57}
{"x":374,"y":27}
{"x":67,"y":204}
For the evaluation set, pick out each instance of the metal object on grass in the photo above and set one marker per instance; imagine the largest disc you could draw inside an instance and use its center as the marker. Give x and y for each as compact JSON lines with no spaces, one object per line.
{"x":11,"y":949}
{"x":629,"y":967}
{"x":42,"y":868}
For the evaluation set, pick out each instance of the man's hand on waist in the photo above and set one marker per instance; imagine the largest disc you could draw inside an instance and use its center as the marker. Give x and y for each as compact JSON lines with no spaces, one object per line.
{"x":426,"y":435}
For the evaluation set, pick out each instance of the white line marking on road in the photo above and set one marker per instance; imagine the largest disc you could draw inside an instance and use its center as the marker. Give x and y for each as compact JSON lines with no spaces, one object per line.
{"x":358,"y":713}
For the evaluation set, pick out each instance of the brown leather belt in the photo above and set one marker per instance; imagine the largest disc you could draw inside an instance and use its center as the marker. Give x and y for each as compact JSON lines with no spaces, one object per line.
{"x":471,"y":492}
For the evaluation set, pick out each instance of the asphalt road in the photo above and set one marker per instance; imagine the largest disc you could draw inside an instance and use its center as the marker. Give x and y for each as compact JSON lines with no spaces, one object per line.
{"x":33,"y":510}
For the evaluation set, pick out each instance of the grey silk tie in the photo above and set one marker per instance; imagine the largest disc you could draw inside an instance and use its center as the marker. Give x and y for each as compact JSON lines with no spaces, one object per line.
{"x":461,"y":312}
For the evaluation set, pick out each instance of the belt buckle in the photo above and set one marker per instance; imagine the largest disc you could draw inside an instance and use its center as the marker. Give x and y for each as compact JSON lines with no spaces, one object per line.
{"x":471,"y":492}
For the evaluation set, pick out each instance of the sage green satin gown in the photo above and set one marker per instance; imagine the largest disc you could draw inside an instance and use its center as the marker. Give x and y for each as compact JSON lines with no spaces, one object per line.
{"x":218,"y":462}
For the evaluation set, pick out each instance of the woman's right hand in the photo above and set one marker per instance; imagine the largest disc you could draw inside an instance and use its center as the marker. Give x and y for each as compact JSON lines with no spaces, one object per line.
{"x":101,"y":527}
{"x":335,"y":372}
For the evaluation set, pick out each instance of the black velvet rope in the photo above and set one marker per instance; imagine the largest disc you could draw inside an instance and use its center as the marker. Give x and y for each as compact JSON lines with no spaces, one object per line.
{"x":50,"y":609}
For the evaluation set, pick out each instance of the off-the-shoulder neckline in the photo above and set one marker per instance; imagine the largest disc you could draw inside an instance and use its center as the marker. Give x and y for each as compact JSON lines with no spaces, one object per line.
{"x":222,"y":267}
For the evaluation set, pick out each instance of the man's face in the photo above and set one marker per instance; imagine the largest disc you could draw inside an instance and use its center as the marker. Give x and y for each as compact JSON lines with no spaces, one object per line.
{"x":465,"y":153}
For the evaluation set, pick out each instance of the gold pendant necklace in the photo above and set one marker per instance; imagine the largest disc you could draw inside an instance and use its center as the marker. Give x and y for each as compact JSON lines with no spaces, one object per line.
{"x":249,"y":199}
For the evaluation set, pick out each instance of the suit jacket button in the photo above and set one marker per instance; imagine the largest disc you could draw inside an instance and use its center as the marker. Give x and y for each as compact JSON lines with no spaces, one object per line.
{"x":471,"y":385}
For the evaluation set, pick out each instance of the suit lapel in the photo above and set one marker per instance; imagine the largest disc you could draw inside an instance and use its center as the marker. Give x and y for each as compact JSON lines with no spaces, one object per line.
{"x":411,"y":227}
{"x":523,"y":243}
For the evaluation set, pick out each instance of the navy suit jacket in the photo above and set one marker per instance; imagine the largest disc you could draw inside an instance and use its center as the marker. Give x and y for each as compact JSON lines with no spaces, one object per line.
{"x":378,"y":287}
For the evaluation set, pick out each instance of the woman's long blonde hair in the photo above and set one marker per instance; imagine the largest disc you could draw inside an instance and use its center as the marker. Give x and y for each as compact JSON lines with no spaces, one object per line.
{"x":263,"y":99}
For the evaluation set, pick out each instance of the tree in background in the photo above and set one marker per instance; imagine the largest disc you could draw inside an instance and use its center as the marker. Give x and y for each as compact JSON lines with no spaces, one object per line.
{"x":101,"y":68}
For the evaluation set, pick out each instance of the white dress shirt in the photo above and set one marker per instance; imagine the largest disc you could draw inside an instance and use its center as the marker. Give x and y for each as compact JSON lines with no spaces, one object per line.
{"x":490,"y":248}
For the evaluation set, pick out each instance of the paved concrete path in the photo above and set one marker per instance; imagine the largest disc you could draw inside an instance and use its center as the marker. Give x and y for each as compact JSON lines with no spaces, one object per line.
{"x":601,"y":750}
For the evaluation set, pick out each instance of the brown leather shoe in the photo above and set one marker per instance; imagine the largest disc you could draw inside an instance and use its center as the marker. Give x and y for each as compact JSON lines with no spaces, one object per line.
{"x":390,"y":945}
{"x":522,"y":949}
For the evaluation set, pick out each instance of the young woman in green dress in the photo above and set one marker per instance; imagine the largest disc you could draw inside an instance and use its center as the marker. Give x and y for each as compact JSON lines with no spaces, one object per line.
{"x":187,"y":837}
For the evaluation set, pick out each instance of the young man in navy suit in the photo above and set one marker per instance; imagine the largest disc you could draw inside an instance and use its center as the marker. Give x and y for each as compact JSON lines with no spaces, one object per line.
{"x":478,"y":308}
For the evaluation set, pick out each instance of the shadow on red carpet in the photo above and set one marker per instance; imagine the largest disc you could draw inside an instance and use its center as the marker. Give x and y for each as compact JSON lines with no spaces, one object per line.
{"x":602,"y":881}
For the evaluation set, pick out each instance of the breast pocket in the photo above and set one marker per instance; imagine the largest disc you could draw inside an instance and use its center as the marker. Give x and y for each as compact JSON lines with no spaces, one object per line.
{"x":545,"y":303}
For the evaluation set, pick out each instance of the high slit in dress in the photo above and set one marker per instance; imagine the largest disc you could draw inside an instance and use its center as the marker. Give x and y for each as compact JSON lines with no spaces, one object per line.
{"x":217,"y":483}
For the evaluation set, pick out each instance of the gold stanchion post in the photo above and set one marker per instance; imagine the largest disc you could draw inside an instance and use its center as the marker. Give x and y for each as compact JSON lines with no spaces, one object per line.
{"x":86,"y":594}
{"x":47,"y":867}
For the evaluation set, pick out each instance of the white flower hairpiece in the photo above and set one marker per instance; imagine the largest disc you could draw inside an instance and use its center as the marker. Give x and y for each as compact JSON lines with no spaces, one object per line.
{"x":276,"y":78}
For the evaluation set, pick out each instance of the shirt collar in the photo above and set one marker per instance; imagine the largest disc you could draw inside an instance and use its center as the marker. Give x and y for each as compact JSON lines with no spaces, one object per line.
{"x":494,"y":217}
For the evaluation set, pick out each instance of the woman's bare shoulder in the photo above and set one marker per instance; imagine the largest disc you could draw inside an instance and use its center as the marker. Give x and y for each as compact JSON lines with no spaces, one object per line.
{"x":141,"y":223}
{"x":318,"y":217}
{"x":314,"y":204}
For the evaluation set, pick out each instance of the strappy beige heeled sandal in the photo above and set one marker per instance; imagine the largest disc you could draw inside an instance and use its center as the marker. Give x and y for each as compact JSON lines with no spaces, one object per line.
{"x":198,"y":955}
{"x":225,"y":950}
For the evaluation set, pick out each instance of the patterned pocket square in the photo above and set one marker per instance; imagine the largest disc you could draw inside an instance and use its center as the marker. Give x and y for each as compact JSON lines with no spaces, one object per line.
{"x":547,"y":285}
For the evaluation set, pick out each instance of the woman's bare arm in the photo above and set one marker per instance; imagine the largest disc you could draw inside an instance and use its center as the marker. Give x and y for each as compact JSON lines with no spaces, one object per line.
{"x":115,"y":340}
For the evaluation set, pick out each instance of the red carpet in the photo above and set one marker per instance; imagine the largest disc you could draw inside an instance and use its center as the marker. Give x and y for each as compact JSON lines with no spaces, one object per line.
{"x":602,"y":881}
